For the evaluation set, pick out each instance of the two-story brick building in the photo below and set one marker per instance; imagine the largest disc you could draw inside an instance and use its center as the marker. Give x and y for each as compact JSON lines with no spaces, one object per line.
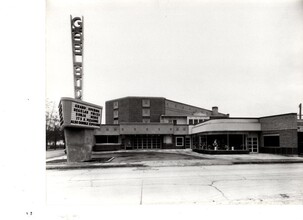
{"x":159,"y":123}
{"x":153,"y":109}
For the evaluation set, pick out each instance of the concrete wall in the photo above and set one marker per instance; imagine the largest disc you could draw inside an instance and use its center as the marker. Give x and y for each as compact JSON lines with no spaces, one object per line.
{"x":249,"y":124}
{"x":180,"y":130}
{"x":108,"y":130}
{"x":285,"y":126}
{"x":146,"y":129}
{"x":79,"y":143}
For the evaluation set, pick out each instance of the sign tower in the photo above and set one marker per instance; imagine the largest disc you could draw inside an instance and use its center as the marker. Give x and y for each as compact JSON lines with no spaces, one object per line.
{"x":78,"y":118}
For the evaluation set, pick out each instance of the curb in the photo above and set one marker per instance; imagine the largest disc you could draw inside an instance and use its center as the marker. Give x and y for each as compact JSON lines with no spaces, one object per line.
{"x":95,"y":165}
{"x":90,"y":166}
{"x":267,"y":162}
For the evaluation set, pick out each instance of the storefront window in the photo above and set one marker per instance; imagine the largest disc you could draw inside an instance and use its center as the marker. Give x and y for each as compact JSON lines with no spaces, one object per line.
{"x":221,"y":142}
{"x":271,"y":140}
{"x":106,"y":139}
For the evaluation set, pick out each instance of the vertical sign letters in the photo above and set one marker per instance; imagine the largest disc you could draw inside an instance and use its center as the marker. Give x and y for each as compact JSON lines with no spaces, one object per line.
{"x":77,"y":50}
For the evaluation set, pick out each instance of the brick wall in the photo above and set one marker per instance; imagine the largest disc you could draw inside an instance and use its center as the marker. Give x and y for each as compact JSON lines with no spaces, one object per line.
{"x":286,"y":127}
{"x":279,"y":122}
{"x":176,"y":108}
{"x":130,"y":109}
{"x":157,"y":108}
{"x":109,"y":113}
{"x":123,"y":110}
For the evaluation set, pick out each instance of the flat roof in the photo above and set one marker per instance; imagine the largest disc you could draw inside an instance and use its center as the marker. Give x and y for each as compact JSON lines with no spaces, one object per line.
{"x":138,"y":97}
{"x":279,"y":115}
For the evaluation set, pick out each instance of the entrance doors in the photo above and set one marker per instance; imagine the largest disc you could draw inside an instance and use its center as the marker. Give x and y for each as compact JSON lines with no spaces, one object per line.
{"x":147,"y":142}
{"x":252,"y":144}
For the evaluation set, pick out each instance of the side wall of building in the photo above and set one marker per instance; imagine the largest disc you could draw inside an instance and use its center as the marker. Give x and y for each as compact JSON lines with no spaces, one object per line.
{"x":176,"y":108}
{"x":130,"y":109}
{"x":109,"y":114}
{"x":156,"y":109}
{"x":122,"y":109}
{"x":279,"y":134}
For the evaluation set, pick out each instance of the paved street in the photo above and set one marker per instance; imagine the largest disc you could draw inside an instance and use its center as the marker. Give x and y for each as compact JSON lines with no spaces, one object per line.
{"x":220,"y":184}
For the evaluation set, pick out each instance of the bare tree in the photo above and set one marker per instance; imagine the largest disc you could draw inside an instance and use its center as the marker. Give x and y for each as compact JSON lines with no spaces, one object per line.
{"x":52,"y":126}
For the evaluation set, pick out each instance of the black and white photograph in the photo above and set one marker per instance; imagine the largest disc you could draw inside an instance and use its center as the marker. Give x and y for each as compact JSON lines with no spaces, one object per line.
{"x":172,"y":103}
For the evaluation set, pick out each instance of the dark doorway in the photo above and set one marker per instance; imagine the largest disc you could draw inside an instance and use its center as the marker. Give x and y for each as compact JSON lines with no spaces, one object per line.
{"x":300,"y":143}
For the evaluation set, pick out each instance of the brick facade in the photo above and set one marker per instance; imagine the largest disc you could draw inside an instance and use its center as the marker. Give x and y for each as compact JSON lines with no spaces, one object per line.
{"x":283,"y":126}
{"x":130,"y":109}
{"x":279,"y":122}
{"x":139,"y":126}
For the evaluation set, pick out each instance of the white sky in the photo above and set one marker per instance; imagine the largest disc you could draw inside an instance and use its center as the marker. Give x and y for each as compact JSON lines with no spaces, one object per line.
{"x":246,"y":57}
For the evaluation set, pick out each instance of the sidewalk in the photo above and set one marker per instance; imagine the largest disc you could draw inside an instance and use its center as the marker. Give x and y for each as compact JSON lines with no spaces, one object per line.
{"x":206,"y":160}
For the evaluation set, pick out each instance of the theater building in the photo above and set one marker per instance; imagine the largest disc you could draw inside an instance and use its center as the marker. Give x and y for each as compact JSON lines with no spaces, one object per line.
{"x":159,"y":123}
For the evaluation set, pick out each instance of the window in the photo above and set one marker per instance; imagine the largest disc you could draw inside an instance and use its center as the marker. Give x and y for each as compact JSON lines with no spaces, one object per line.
{"x":101,"y":139}
{"x":105,"y":139}
{"x":116,"y":113}
{"x":174,"y":122}
{"x":145,"y":103}
{"x":272,"y":140}
{"x":146,"y":112}
{"x":115,"y":105}
{"x":146,"y":120}
{"x":113,"y":139}
{"x":190,"y":122}
{"x":179,"y":141}
{"x":116,"y":121}
{"x":200,"y":120}
{"x":196,"y":121}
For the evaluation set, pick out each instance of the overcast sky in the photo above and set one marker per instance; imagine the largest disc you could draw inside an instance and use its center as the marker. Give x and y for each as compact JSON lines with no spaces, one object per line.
{"x":246,"y":57}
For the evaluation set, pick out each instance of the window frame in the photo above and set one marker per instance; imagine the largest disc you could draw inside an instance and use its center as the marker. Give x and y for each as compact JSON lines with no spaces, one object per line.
{"x":146,"y":114}
{"x":116,"y":113}
{"x":145,"y":102}
{"x":115,"y":105}
{"x":177,"y":145}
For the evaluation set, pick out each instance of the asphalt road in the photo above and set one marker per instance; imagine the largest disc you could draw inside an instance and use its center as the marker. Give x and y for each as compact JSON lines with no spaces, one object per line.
{"x":223,"y":184}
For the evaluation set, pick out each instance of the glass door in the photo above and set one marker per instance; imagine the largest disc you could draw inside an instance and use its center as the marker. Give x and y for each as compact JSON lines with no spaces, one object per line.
{"x":252,"y":144}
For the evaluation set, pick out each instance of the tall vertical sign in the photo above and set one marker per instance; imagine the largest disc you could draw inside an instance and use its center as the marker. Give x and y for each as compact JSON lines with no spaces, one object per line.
{"x":77,"y":50}
{"x":78,"y":118}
